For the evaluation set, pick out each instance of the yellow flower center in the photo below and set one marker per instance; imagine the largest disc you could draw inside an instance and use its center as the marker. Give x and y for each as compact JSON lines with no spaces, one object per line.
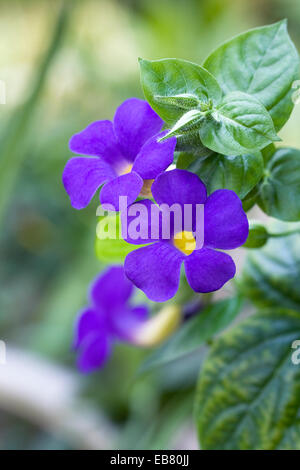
{"x":126,"y":169}
{"x":146,"y":188}
{"x":185,"y":242}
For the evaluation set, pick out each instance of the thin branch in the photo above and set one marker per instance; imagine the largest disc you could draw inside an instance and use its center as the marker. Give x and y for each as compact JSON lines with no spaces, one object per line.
{"x":48,"y":395}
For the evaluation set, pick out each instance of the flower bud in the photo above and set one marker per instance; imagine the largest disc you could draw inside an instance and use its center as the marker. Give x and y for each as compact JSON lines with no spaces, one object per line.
{"x":258,"y":235}
{"x":159,"y":327}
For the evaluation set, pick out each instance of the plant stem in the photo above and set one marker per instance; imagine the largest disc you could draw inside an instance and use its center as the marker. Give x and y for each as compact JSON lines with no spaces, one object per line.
{"x":50,"y":397}
{"x":12,"y":144}
{"x":284,"y":234}
{"x":196,"y":306}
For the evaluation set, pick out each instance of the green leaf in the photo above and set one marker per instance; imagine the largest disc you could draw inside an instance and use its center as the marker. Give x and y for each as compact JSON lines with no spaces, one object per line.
{"x":239,"y":124}
{"x":250,"y":200}
{"x":271,"y":275}
{"x":240,"y":174}
{"x":249,"y":389}
{"x":170,"y":77}
{"x":112,"y":248}
{"x":279,"y":193}
{"x":262,"y":62}
{"x":267,"y":152}
{"x":195,"y":332}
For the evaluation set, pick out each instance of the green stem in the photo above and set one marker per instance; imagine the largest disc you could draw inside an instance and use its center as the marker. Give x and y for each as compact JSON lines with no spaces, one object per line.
{"x":284,"y":234}
{"x":12,"y":144}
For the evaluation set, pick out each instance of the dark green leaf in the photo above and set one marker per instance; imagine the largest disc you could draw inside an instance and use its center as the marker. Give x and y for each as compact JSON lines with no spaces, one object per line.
{"x":13,"y":142}
{"x":280,"y":188}
{"x":171,"y":77}
{"x":262,"y":62}
{"x":195,"y":332}
{"x":271,"y":275}
{"x":238,"y":125}
{"x":240,"y":174}
{"x":249,"y":389}
{"x":250,"y":200}
{"x":267,"y":152}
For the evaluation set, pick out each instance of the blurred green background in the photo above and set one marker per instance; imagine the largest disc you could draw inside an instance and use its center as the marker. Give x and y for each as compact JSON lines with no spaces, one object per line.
{"x":65,"y":65}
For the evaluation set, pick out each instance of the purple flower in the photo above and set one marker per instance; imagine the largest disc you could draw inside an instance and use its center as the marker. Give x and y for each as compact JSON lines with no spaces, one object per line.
{"x":155,"y":268}
{"x":123,"y":154}
{"x":108,"y":318}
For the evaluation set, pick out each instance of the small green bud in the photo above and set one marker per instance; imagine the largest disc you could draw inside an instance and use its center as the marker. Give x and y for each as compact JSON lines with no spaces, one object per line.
{"x":184,"y":101}
{"x":258,"y":235}
{"x":187,"y":123}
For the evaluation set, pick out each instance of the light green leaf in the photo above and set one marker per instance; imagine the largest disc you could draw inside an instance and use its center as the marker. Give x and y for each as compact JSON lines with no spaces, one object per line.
{"x":240,"y":174}
{"x":279,"y":193}
{"x":271,"y":275}
{"x":195,"y":332}
{"x":109,"y":245}
{"x":171,"y":77}
{"x":262,"y":62}
{"x":239,"y":124}
{"x":249,"y":389}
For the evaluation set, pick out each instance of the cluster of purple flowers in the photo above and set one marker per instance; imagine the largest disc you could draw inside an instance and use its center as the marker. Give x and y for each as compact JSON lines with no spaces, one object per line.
{"x":127,"y":158}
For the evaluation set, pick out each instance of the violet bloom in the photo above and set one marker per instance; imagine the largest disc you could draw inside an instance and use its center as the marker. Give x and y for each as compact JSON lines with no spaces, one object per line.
{"x":155,"y":268}
{"x":108,"y":318}
{"x":123,"y":154}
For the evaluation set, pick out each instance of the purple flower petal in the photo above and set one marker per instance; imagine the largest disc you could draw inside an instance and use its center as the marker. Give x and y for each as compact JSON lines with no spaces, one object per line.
{"x":154,"y":157}
{"x":178,"y":186}
{"x":111,"y":290}
{"x":129,"y":185}
{"x":142,"y":223}
{"x":98,"y":140}
{"x":125,"y":324}
{"x":135,"y":122}
{"x":95,"y":351}
{"x":82,"y":177}
{"x":225,"y":222}
{"x":88,"y":322}
{"x":155,"y":269}
{"x":208,"y":270}
{"x":183,"y":192}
